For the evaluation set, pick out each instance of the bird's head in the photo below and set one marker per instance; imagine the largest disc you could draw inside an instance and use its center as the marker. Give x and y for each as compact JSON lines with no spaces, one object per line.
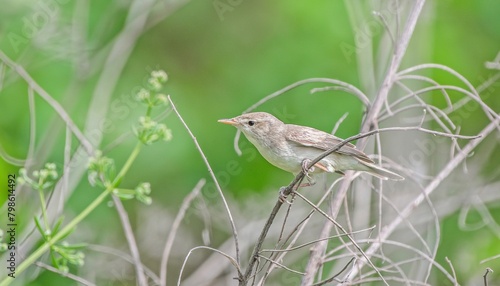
{"x":255,"y":125}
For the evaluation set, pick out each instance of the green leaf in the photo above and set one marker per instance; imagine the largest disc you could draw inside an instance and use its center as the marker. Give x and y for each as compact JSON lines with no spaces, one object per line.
{"x":40,"y":228}
{"x":57,"y":225}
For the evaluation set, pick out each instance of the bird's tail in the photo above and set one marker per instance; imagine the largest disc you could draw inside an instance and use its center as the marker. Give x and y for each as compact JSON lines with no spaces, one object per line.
{"x":382,"y":173}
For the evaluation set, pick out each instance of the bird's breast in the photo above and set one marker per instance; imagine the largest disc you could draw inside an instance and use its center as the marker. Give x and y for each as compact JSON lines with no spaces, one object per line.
{"x":278,"y":154}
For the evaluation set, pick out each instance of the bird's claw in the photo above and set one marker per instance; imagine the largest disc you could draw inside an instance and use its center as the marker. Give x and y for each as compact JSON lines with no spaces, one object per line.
{"x":310,"y":180}
{"x":305,"y":164}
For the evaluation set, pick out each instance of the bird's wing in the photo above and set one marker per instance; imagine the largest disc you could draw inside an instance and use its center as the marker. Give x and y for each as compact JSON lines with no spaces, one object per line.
{"x":307,"y":136}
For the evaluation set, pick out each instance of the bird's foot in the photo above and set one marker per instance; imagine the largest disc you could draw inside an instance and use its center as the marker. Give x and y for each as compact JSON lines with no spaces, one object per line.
{"x":310,"y":180}
{"x":304,"y":165}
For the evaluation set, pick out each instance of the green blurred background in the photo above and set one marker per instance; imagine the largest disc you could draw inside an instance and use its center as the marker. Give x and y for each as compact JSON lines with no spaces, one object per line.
{"x":220,"y":60}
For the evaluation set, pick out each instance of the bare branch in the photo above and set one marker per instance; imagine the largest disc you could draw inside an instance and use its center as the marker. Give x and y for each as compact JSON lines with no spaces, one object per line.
{"x":298,"y":230}
{"x":226,"y":206}
{"x":339,"y":226}
{"x":485,"y":276}
{"x":292,"y":186}
{"x":348,"y":87}
{"x":132,"y":244}
{"x":316,"y":240}
{"x":390,"y":76}
{"x":125,"y":256}
{"x":175,"y":226}
{"x":337,"y":124}
{"x":341,"y":85}
{"x":333,"y":278}
{"x":51,"y":101}
{"x":231,"y":259}
{"x":71,"y":276}
{"x":452,"y":164}
{"x":489,"y":259}
{"x":281,"y":265}
{"x":452,"y":270}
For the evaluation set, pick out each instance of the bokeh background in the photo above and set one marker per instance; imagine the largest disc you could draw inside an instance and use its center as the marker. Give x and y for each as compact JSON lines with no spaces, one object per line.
{"x":221,"y":57}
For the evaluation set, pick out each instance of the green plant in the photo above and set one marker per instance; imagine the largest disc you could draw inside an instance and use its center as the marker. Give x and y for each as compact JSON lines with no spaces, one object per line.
{"x":101,"y":174}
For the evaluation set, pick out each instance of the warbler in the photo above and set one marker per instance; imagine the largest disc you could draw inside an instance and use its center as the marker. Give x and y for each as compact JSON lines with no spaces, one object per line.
{"x":291,"y":147}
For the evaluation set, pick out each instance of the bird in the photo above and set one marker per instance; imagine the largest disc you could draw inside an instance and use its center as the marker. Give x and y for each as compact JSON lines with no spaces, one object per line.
{"x":292,"y":147}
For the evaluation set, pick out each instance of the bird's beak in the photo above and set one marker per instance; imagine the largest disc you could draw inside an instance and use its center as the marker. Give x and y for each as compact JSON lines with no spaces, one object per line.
{"x":231,"y":121}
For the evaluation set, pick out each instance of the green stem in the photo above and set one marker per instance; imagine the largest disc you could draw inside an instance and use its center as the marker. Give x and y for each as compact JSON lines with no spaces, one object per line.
{"x":44,"y":212}
{"x":44,"y":247}
{"x":72,"y":224}
{"x":127,"y":165}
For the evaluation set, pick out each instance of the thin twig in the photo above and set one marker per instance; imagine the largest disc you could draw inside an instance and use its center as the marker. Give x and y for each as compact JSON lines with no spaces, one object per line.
{"x":489,"y":259}
{"x":423,"y":255}
{"x":281,"y":265}
{"x":125,"y":256}
{"x":452,"y":164}
{"x":339,"y":226}
{"x":32,"y":140}
{"x":346,"y":87}
{"x":369,"y":123}
{"x":386,"y":26}
{"x":298,"y":230}
{"x":343,"y":86}
{"x":66,"y":170}
{"x":353,"y":90}
{"x":472,"y":93}
{"x":226,"y":206}
{"x":316,"y":240}
{"x":428,"y":107}
{"x":482,"y":87}
{"x":286,"y":191}
{"x":175,"y":226}
{"x":285,"y":219}
{"x":50,"y":100}
{"x":488,"y":270}
{"x":336,"y":275}
{"x":231,"y":259}
{"x":10,"y":159}
{"x":337,"y":124}
{"x":452,"y":269}
{"x":428,"y":80}
{"x":390,"y":77}
{"x":132,"y":244}
{"x":376,"y":131}
{"x":71,"y":276}
{"x":255,"y":253}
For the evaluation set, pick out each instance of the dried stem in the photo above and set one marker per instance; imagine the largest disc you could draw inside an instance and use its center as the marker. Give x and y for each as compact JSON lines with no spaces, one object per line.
{"x":232,"y":260}
{"x":344,"y":85}
{"x":132,"y":244}
{"x":452,"y":164}
{"x":485,"y":276}
{"x":226,"y":206}
{"x":292,"y":186}
{"x":51,"y":101}
{"x":175,"y":226}
{"x":71,"y":276}
{"x":369,"y":123}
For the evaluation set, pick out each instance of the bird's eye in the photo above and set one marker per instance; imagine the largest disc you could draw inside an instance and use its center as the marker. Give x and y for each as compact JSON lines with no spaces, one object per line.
{"x":251,"y":123}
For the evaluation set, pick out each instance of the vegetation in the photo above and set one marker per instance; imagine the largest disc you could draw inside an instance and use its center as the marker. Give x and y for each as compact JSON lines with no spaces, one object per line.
{"x":117,"y":174}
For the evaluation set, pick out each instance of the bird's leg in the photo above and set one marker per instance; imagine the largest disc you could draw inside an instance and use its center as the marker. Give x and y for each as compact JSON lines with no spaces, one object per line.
{"x":310,"y":180}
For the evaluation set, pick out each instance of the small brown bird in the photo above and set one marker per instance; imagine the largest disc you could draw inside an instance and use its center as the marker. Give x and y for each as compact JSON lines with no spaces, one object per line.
{"x":289,"y":147}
